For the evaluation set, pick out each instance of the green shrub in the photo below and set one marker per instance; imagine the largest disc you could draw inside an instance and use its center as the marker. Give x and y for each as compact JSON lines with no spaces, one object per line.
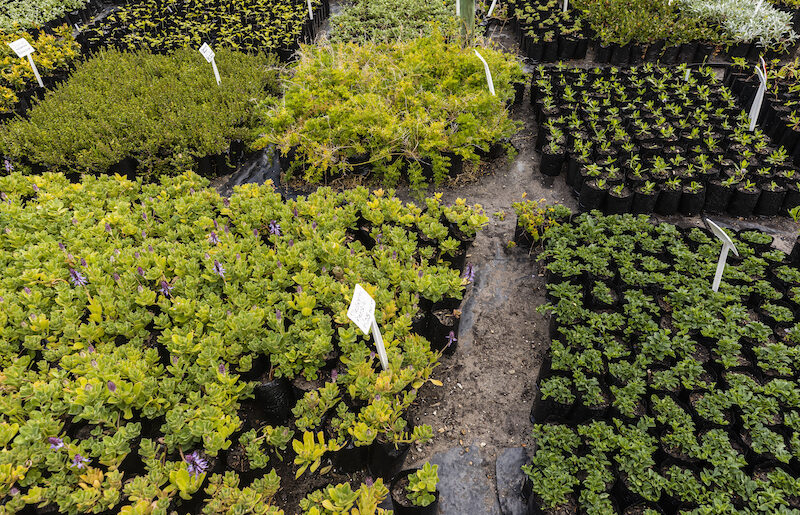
{"x":162,"y":110}
{"x":30,"y":13}
{"x":386,"y":21}
{"x":392,"y":107}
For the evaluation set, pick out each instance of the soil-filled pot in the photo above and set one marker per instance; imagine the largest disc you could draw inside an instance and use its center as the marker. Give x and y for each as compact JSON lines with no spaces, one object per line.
{"x":275,"y":398}
{"x":692,"y":202}
{"x":770,"y":202}
{"x":644,"y":203}
{"x":443,"y":330}
{"x":551,"y":163}
{"x":591,"y":197}
{"x":668,"y":202}
{"x":743,"y":202}
{"x":718,"y":197}
{"x":385,"y":459}
{"x":350,"y":458}
{"x":619,"y":203}
{"x":402,"y":504}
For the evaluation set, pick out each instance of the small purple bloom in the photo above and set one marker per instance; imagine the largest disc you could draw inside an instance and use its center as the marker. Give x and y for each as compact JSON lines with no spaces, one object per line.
{"x":394,"y":254}
{"x":112,"y":387}
{"x":150,"y":248}
{"x":280,"y":265}
{"x":299,"y":289}
{"x":79,"y":461}
{"x":207,"y":255}
{"x":90,"y":348}
{"x":9,"y":167}
{"x":13,"y":491}
{"x":255,"y":232}
{"x":136,"y":254}
{"x":226,"y":202}
{"x":368,"y":481}
{"x":372,"y":355}
{"x":174,"y":360}
{"x":191,"y":190}
{"x":291,"y":243}
{"x":469,"y":273}
{"x":352,"y":252}
{"x":314,"y":225}
{"x":275,"y":228}
{"x":61,"y":246}
{"x":451,"y":338}
{"x":197,"y":465}
{"x":3,"y":195}
{"x":144,"y":234}
{"x":77,"y":278}
{"x":35,"y":187}
{"x":74,"y":221}
{"x":116,"y":277}
{"x":227,"y":228}
{"x":379,"y":237}
{"x":216,"y":225}
{"x":27,"y":290}
{"x":140,"y":271}
{"x":94,"y":365}
{"x":221,"y":368}
{"x":108,"y":227}
{"x":55,"y":443}
{"x":278,"y":315}
{"x":295,"y":213}
{"x":420,"y":274}
{"x":218,"y":269}
{"x":116,"y":252}
{"x":83,"y":262}
{"x":334,"y":375}
{"x":144,"y":216}
{"x":166,"y":289}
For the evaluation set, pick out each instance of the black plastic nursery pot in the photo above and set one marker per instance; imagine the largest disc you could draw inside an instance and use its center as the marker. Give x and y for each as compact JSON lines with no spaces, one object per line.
{"x":668,"y":202}
{"x":276,"y":399}
{"x":552,"y":163}
{"x":644,"y":203}
{"x":443,"y":330}
{"x":350,"y":458}
{"x":718,"y":197}
{"x":743,"y":202}
{"x":591,"y":197}
{"x":618,"y":204}
{"x":770,"y":202}
{"x":385,"y":459}
{"x":402,"y":504}
{"x":692,"y":202}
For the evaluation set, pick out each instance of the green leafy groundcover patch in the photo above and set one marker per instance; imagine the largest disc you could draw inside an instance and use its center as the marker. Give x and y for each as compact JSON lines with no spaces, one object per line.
{"x":137,"y":319}
{"x":386,"y":21}
{"x":245,"y":25}
{"x":164,"y":111}
{"x":29,"y":13}
{"x":657,"y":389}
{"x":410,"y":110}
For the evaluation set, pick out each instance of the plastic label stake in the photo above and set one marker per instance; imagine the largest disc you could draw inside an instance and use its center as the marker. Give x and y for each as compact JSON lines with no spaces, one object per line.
{"x":727,"y":245}
{"x":310,"y":11}
{"x":566,"y":5}
{"x":458,"y":8}
{"x":209,"y":55}
{"x":491,"y":8}
{"x":24,"y":49}
{"x":755,"y":109}
{"x":686,"y":77}
{"x":488,"y":73}
{"x":362,"y":313}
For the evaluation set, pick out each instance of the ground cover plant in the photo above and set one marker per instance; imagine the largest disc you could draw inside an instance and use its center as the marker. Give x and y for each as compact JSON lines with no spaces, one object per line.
{"x":16,"y":14}
{"x":412,"y":110}
{"x":658,"y":392}
{"x":655,"y":139}
{"x":164,"y":348}
{"x":266,"y":25}
{"x":55,"y":56}
{"x":144,"y":114}
{"x":387,"y":21}
{"x":780,"y":111}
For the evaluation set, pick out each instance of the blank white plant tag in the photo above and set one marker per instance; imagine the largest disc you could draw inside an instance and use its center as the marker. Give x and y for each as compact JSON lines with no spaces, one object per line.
{"x":727,"y":245}
{"x":755,"y":109}
{"x":488,"y":73}
{"x":491,"y":8}
{"x":209,"y":54}
{"x":686,"y":77}
{"x":22,"y":48}
{"x":458,"y":8}
{"x":310,"y":11}
{"x":362,"y":313}
{"x":566,"y":5}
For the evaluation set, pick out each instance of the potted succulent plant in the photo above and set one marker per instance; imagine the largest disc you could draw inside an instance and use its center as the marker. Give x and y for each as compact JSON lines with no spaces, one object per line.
{"x":414,"y":491}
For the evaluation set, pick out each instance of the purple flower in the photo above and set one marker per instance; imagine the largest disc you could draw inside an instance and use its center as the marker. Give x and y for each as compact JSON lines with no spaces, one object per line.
{"x":14,"y":491}
{"x":451,"y":338}
{"x":144,"y":216}
{"x":420,"y":274}
{"x":35,"y":187}
{"x":394,"y":254}
{"x":291,"y":242}
{"x":108,"y":227}
{"x":116,"y":277}
{"x":221,"y":368}
{"x":90,"y":348}
{"x":3,"y":195}
{"x":79,"y":461}
{"x":314,"y":225}
{"x":280,"y":265}
{"x":334,"y":375}
{"x":379,"y":237}
{"x":94,"y":365}
{"x":197,"y":465}
{"x":352,"y":252}
{"x":227,"y":228}
{"x":278,"y":315}
{"x":150,"y":248}
{"x":74,"y":221}
{"x":83,"y":262}
{"x":226,"y":202}
{"x":55,"y":443}
{"x":469,"y":273}
{"x":218,"y":269}
{"x":275,"y":228}
{"x":255,"y":232}
{"x":27,"y":290}
{"x":166,"y":289}
{"x":8,"y":165}
{"x":212,"y":238}
{"x":140,"y":271}
{"x":61,"y":246}
{"x":216,"y":225}
{"x":372,"y":355}
{"x":112,"y":387}
{"x":136,"y":254}
{"x":368,"y":481}
{"x":174,"y":360}
{"x":77,"y":278}
{"x":191,"y":190}
{"x":144,"y":234}
{"x":299,"y":289}
{"x":295,"y":213}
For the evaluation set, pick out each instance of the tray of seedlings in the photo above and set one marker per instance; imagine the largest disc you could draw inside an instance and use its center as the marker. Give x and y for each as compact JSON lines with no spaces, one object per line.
{"x":657,"y":139}
{"x":548,"y":33}
{"x":163,"y":348}
{"x":780,"y":112}
{"x":659,"y":394}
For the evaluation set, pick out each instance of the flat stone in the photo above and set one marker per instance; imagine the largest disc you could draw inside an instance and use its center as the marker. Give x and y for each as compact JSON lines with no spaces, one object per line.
{"x":463,"y":485}
{"x":509,"y":480}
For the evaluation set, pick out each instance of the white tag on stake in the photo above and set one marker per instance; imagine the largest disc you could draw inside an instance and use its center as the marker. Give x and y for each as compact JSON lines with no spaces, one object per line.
{"x":310,"y":11}
{"x":209,"y":54}
{"x":686,"y":77}
{"x":755,"y":109}
{"x":491,"y":8}
{"x":22,"y":48}
{"x":488,"y":73}
{"x":566,"y":5}
{"x":727,"y":245}
{"x":362,"y":313}
{"x":458,"y":8}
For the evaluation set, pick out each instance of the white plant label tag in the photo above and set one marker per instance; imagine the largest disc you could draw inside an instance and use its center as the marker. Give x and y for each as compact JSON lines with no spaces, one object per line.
{"x":362,"y":313}
{"x":566,"y":5}
{"x":758,"y":6}
{"x":209,"y":54}
{"x":488,"y":73}
{"x":727,"y":245}
{"x":491,"y":8}
{"x":755,"y":109}
{"x":310,"y":11}
{"x":458,"y":7}
{"x":686,"y":77}
{"x":21,"y":47}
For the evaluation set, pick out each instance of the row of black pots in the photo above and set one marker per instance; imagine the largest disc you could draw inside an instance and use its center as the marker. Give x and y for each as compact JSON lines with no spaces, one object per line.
{"x":774,"y":115}
{"x":562,"y":48}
